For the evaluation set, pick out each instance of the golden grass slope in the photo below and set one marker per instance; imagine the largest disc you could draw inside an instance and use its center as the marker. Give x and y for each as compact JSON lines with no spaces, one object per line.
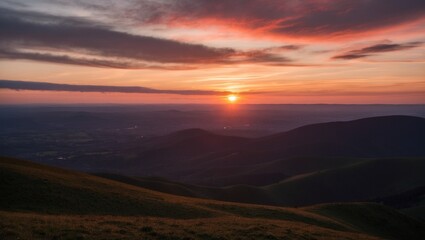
{"x":40,"y":202}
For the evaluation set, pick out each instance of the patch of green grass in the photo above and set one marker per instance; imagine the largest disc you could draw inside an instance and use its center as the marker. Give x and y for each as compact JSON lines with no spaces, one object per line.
{"x":374,"y":219}
{"x":29,"y":187}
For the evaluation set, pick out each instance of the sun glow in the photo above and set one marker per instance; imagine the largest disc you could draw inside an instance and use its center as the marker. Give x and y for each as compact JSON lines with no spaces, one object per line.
{"x":232,"y":98}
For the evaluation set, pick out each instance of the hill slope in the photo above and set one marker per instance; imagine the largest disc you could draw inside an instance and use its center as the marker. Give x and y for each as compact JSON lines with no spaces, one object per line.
{"x":358,"y":180}
{"x":368,"y":218}
{"x":27,"y":186}
{"x":378,"y":137}
{"x":69,"y":205}
{"x":198,"y":157}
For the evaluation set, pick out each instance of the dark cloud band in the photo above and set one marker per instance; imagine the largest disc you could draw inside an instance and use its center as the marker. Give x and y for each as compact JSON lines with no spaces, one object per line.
{"x":43,"y":86}
{"x":87,"y":62}
{"x":375,"y":49}
{"x":45,"y":34}
{"x":34,"y":30}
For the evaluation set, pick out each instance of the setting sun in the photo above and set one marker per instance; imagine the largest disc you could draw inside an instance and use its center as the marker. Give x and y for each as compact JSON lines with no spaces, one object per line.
{"x":232,"y":98}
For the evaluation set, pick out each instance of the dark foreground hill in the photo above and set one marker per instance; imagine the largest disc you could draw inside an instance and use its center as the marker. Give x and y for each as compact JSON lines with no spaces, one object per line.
{"x":196,"y":156}
{"x":40,"y":202}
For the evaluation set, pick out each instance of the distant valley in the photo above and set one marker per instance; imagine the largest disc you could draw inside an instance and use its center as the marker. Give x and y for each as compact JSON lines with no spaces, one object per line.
{"x":326,"y":176}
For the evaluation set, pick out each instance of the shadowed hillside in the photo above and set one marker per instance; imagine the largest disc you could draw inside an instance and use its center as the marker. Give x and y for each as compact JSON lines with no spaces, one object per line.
{"x":373,"y":219}
{"x":392,"y":136}
{"x":27,"y":186}
{"x":162,"y":154}
{"x":40,"y":202}
{"x":358,"y":180}
{"x":196,"y":156}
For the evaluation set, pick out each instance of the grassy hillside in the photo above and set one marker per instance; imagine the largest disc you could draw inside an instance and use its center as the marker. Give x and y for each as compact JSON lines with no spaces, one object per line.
{"x":373,"y":219}
{"x":365,"y":180}
{"x":40,"y":202}
{"x":358,"y":180}
{"x":27,"y":186}
{"x":417,"y":212}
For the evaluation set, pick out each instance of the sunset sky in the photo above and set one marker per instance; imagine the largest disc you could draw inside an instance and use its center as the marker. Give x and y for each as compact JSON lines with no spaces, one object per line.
{"x":199,"y":51}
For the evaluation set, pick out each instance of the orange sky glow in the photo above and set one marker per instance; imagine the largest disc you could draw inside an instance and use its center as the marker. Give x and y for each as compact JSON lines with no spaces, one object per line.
{"x":202,"y":51}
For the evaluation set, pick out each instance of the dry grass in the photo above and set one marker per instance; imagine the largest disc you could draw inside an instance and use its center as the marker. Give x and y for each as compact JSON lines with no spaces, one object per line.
{"x":38,"y":226}
{"x":40,"y":202}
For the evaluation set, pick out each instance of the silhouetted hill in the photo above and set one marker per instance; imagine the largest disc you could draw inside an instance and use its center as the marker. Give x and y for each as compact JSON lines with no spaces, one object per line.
{"x":389,"y":136}
{"x":361,"y":180}
{"x":223,"y":161}
{"x":196,"y":156}
{"x":168,"y":153}
{"x":53,"y":203}
{"x":193,"y":142}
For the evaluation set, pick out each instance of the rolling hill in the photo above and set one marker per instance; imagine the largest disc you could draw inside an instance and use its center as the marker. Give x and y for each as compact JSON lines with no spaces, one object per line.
{"x":195,"y":156}
{"x":40,"y":202}
{"x":375,"y":180}
{"x":378,"y":137}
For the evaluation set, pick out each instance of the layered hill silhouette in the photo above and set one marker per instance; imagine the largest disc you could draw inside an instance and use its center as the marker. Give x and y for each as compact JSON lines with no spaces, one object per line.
{"x":374,"y":180}
{"x":374,"y":160}
{"x":52,"y":203}
{"x":199,"y":157}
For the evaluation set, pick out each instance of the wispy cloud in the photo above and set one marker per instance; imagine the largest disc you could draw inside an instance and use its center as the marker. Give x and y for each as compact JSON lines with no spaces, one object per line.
{"x":87,"y":61}
{"x":375,"y":49}
{"x":27,"y":29}
{"x":23,"y":30}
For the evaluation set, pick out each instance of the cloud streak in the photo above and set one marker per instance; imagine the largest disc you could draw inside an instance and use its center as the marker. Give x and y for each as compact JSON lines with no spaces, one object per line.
{"x":26,"y":29}
{"x":87,"y":62}
{"x":375,"y":49}
{"x":44,"y":86}
{"x":44,"y":34}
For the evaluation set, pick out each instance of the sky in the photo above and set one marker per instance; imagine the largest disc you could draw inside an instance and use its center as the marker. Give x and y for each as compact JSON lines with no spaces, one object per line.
{"x":199,"y":51}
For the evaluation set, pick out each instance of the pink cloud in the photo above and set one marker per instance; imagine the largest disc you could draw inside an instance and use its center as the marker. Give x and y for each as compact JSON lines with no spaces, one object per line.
{"x":308,"y":19}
